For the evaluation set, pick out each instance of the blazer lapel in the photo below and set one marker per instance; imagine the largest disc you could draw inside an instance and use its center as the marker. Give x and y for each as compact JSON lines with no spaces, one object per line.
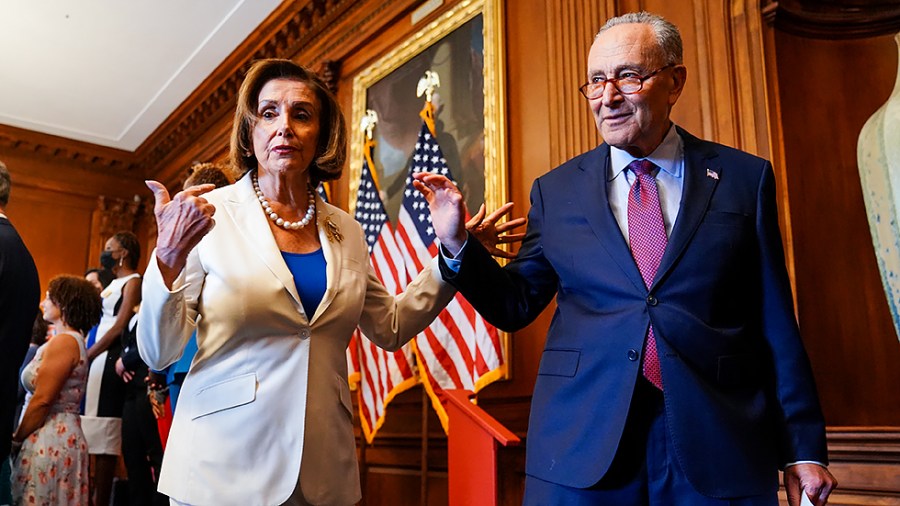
{"x":701,"y":175}
{"x":333,"y":249}
{"x":254,"y":228}
{"x":593,"y":191}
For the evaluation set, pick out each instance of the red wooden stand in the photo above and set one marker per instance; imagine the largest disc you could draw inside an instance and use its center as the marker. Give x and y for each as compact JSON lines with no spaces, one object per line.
{"x":472,"y":451}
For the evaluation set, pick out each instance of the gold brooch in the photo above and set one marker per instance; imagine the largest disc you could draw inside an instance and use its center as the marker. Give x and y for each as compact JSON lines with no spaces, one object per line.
{"x":332,"y":231}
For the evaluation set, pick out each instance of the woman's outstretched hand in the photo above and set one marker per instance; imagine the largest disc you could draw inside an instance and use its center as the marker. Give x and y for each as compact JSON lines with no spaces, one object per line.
{"x":181,"y":222}
{"x":448,"y":209}
{"x":448,"y":212}
{"x":488,"y":232}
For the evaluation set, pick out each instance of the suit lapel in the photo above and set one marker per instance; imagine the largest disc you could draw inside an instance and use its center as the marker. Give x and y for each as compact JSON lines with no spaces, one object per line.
{"x":254,"y":228}
{"x":592,"y":189}
{"x":700,"y":179}
{"x":333,"y":249}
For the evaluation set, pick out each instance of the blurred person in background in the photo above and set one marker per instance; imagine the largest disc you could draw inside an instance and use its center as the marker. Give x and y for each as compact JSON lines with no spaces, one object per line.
{"x":51,"y":467}
{"x":38,"y":337}
{"x":20,"y":292}
{"x":99,"y":277}
{"x":102,"y":420}
{"x":141,"y":445}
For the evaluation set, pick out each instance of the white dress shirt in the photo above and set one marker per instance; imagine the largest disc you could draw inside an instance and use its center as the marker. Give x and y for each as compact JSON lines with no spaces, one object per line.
{"x":669,"y":157}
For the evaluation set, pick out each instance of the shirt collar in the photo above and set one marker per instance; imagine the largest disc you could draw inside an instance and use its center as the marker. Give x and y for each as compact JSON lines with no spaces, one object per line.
{"x":666,"y":156}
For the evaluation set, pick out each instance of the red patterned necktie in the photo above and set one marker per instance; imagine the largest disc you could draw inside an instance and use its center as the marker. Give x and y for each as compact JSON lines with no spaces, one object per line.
{"x":647,"y":238}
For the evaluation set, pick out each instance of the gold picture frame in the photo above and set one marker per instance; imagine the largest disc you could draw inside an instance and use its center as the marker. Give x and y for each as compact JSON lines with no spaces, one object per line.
{"x":492,"y":95}
{"x":494,"y":180}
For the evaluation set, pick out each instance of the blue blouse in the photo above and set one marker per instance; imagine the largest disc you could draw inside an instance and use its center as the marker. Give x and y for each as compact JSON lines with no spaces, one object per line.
{"x":310,"y":277}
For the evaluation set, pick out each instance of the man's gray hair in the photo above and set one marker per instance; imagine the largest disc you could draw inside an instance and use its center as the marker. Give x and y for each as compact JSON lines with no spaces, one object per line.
{"x":4,"y":185}
{"x":667,"y":35}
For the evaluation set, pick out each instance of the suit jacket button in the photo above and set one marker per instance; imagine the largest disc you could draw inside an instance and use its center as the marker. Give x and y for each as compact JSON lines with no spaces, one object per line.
{"x":652,"y":300}
{"x":632,"y":355}
{"x":304,"y":334}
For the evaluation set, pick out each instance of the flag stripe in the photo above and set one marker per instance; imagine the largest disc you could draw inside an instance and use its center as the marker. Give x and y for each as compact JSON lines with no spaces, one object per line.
{"x":382,"y":374}
{"x":459,"y":348}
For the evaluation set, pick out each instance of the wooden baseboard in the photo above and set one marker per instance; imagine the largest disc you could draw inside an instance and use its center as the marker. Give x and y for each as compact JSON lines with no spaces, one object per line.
{"x":866,"y":463}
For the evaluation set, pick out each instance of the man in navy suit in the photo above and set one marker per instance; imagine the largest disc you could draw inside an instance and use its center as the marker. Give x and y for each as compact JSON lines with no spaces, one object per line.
{"x":20,"y":293}
{"x":673,"y":371}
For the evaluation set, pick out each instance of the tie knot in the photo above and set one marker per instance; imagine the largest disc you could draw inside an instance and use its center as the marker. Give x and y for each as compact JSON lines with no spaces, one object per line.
{"x":642,"y":167}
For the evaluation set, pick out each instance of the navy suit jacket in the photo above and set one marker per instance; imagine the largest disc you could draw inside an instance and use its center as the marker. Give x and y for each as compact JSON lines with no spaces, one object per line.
{"x":20,"y":292}
{"x":740,"y":399}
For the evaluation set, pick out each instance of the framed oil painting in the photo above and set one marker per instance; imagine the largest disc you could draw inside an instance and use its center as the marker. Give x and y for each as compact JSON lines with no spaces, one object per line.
{"x":464,"y":47}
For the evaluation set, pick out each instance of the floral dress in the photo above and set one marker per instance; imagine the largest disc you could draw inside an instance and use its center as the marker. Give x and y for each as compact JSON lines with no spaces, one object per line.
{"x":52,"y":467}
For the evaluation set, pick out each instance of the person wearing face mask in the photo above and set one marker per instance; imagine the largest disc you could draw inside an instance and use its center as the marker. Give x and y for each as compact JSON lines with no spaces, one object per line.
{"x":104,"y":399}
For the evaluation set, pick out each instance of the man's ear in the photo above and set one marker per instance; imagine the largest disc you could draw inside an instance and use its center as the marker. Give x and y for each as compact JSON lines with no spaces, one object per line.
{"x":679,"y":77}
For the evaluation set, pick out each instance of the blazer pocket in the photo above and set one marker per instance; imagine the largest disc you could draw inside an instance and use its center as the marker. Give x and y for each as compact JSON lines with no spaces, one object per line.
{"x":344,"y":390}
{"x":726,"y":218}
{"x":224,"y":395}
{"x":556,"y":362}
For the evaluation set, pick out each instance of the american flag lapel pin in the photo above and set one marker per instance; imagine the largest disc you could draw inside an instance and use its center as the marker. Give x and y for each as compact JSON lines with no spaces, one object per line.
{"x":713,"y":174}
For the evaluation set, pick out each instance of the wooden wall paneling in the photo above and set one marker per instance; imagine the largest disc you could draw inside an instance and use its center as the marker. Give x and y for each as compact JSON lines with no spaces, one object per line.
{"x":866,"y":462}
{"x":209,"y":145}
{"x":60,"y":150}
{"x":54,"y":196}
{"x":55,"y":227}
{"x":842,"y":308}
{"x":776,"y":138}
{"x":698,"y":108}
{"x":529,"y":96}
{"x":570,"y":28}
{"x":290,"y":27}
{"x":208,"y":101}
{"x":724,"y":98}
{"x":35,"y":170}
{"x":838,"y":19}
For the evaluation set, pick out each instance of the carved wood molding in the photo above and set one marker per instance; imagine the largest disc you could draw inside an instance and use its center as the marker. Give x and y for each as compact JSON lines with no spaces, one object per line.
{"x":834,"y":19}
{"x":280,"y":36}
{"x":864,"y":444}
{"x":117,"y":214}
{"x":48,"y":146}
{"x":289,"y":30}
{"x":330,"y":71}
{"x":866,"y":462}
{"x":571,"y":26}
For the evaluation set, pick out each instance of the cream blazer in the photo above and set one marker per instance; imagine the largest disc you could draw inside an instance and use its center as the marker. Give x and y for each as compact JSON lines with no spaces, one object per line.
{"x":269,"y":383}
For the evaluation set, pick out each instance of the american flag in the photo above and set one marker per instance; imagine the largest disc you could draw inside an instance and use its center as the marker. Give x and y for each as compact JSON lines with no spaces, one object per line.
{"x":382,"y":374}
{"x":322,"y":191}
{"x":460,"y":349}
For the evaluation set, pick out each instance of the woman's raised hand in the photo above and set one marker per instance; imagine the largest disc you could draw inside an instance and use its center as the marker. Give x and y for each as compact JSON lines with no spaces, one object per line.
{"x":448,"y":209}
{"x":181,"y":222}
{"x":448,"y":212}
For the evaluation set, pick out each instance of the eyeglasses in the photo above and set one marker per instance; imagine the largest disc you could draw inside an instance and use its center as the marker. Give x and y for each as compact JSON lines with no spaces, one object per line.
{"x":628,"y":84}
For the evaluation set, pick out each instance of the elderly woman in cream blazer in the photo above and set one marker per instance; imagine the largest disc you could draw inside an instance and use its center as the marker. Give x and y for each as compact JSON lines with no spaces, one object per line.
{"x":275,"y":280}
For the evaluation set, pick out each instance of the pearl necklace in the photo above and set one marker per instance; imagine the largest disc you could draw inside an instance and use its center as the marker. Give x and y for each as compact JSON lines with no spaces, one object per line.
{"x":281,"y":222}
